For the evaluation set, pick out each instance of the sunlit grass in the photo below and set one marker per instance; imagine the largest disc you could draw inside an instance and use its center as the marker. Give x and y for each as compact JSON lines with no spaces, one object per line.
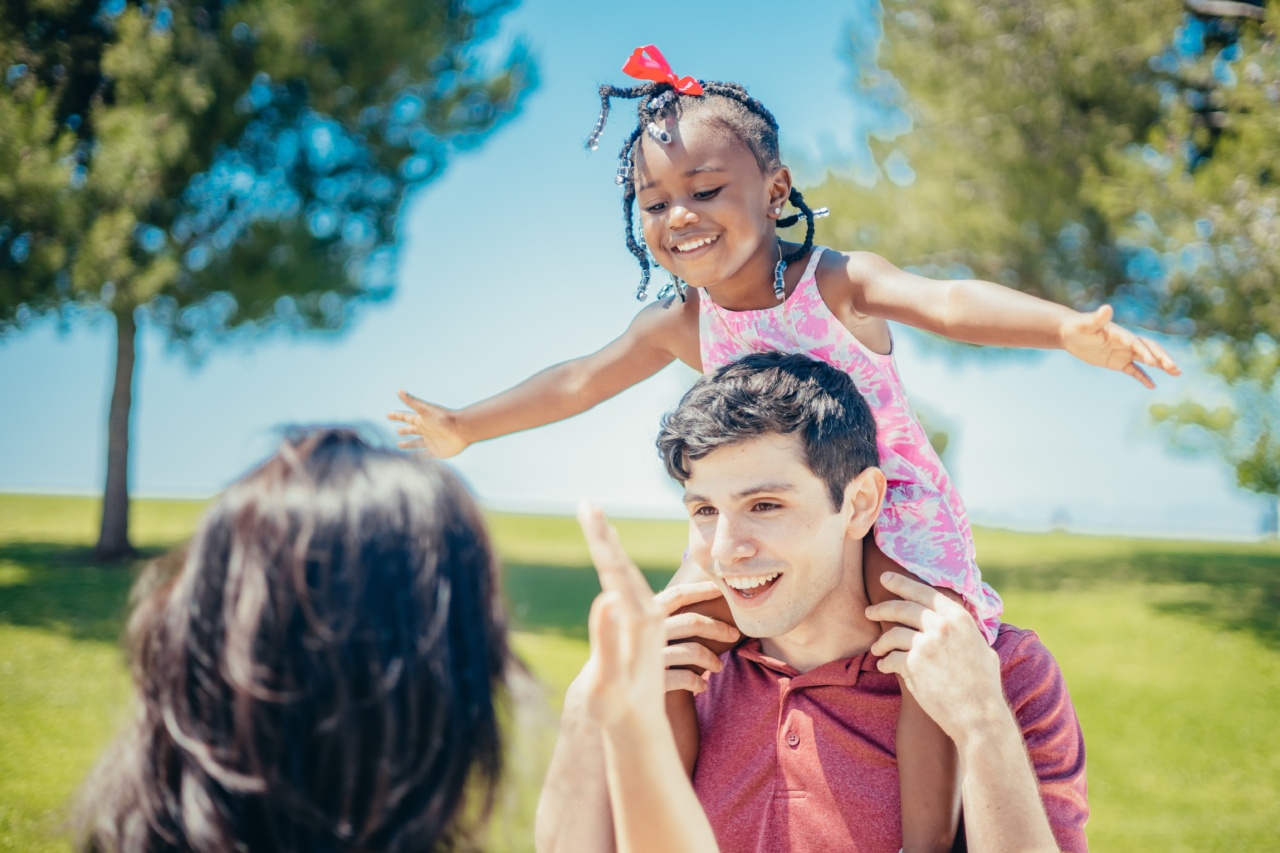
{"x":1171,"y":651}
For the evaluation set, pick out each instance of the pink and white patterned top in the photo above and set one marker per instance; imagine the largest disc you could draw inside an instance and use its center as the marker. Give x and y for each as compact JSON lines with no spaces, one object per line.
{"x":923,"y":526}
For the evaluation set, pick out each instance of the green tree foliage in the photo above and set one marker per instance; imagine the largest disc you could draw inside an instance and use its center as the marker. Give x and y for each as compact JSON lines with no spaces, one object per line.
{"x":1091,"y":152}
{"x":1240,"y":423}
{"x":229,"y":167}
{"x":1065,"y":149}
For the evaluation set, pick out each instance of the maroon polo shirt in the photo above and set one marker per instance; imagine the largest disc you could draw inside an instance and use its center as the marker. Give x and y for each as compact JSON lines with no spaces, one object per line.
{"x":805,"y":761}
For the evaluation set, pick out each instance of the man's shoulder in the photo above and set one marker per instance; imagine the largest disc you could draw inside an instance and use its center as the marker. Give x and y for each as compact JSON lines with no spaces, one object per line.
{"x":1021,"y":647}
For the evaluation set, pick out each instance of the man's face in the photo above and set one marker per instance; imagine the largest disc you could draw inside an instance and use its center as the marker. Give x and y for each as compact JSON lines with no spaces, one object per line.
{"x":762,"y":525}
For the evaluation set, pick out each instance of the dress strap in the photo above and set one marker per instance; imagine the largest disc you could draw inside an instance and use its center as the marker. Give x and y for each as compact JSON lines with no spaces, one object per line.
{"x":811,"y":268}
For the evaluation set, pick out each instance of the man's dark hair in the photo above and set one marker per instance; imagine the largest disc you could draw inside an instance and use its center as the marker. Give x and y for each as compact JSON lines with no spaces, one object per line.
{"x":774,"y":392}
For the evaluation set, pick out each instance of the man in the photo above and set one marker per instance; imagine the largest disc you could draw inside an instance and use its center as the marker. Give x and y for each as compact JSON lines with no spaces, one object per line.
{"x":776,"y":454}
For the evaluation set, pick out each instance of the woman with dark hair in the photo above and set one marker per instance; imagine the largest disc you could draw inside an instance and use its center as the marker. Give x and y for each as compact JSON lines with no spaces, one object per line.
{"x":320,"y":671}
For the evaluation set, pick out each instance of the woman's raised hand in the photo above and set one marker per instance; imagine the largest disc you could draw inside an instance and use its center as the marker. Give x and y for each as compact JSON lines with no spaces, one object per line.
{"x":627,"y":632}
{"x":1094,"y":339}
{"x":435,"y":428}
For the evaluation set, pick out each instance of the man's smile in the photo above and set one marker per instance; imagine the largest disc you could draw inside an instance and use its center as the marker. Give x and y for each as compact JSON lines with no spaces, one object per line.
{"x":750,"y":588}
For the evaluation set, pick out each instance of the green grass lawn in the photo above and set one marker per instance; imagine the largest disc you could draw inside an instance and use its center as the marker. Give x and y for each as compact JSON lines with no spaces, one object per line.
{"x":1171,"y":650}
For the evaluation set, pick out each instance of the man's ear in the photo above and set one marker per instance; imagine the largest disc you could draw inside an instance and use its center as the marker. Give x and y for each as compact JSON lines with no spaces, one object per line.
{"x":779,"y":186}
{"x":863,"y":498}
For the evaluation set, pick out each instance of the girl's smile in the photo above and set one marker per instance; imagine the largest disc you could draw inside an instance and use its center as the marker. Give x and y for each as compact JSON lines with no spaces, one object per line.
{"x":705,"y":207}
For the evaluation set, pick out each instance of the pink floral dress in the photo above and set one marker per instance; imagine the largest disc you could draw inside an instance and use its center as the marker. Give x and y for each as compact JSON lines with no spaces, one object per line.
{"x":923,"y":526}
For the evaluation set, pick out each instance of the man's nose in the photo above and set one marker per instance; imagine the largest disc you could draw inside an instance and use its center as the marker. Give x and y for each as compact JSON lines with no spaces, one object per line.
{"x":732,"y":541}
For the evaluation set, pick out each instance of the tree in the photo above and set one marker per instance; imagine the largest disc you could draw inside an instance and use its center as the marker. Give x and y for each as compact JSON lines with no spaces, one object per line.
{"x":1242,"y":425}
{"x":1063,"y":149}
{"x":1090,"y":152}
{"x":229,"y":168}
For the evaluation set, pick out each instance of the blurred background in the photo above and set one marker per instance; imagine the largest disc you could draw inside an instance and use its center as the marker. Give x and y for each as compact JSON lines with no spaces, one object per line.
{"x":219,"y":218}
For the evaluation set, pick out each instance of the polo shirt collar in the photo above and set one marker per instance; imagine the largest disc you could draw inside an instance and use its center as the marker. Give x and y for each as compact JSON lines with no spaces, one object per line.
{"x":837,"y":673}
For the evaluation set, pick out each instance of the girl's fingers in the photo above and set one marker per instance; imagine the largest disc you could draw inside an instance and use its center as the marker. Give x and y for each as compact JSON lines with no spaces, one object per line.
{"x":398,"y":416}
{"x":1102,"y":316}
{"x":1139,"y":374}
{"x":412,"y":401}
{"x":407,"y":430}
{"x":1142,"y":352}
{"x":412,"y":444}
{"x":1163,"y":360}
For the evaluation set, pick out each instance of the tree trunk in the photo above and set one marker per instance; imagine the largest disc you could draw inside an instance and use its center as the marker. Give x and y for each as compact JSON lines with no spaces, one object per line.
{"x":113,"y":540}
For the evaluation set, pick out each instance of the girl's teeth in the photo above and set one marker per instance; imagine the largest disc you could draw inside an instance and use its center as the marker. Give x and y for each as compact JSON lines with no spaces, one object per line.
{"x":750,"y":583}
{"x":695,"y":244}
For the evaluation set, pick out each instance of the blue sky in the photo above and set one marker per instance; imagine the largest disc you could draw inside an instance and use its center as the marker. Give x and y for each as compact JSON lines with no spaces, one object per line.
{"x":514,"y":260}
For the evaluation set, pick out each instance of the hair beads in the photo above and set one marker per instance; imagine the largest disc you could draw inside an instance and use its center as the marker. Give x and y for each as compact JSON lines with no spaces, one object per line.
{"x":593,"y":141}
{"x":672,"y":289}
{"x":658,"y":134}
{"x":729,"y":104}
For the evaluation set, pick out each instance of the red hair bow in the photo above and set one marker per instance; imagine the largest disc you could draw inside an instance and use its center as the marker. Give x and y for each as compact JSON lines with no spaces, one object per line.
{"x":654,"y":67}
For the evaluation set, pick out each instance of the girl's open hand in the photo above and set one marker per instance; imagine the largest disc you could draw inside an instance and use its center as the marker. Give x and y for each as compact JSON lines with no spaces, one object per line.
{"x":435,"y":427}
{"x":1094,"y":339}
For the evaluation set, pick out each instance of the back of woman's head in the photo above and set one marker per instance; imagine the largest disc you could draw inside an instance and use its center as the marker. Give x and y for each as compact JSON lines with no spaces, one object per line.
{"x":320,"y":672}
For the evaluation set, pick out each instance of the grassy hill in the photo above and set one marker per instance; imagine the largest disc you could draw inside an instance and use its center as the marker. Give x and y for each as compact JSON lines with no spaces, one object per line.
{"x":1171,"y":650}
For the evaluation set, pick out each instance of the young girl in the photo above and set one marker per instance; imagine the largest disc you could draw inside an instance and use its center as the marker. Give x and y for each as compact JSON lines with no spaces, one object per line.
{"x":703,"y":168}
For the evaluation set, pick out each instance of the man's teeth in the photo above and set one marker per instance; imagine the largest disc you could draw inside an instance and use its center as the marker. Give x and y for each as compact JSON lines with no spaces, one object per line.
{"x":695,"y":244}
{"x":750,"y":583}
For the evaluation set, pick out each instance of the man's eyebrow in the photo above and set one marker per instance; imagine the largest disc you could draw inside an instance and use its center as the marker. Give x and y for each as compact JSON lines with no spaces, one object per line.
{"x":689,"y":174}
{"x":770,"y":488}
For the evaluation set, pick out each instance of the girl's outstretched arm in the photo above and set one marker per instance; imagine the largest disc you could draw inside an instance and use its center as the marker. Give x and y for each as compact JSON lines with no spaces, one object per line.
{"x":655,"y":338}
{"x":980,"y":312}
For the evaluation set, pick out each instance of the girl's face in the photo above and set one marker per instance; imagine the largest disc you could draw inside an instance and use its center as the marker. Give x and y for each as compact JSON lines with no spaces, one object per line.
{"x":705,"y":207}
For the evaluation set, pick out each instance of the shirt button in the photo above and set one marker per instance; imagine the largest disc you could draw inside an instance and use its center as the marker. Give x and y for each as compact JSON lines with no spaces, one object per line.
{"x":793,"y":740}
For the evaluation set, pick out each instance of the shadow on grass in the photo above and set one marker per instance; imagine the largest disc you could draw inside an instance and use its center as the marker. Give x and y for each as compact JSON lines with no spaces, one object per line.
{"x":63,"y":589}
{"x":1232,"y":590}
{"x":556,"y":599}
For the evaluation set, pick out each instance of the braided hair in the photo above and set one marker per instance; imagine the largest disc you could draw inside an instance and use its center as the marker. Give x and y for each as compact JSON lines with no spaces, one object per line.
{"x":729,"y":105}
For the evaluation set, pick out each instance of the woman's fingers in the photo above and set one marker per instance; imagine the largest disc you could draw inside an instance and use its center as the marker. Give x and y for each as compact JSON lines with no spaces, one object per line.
{"x":616,"y":571}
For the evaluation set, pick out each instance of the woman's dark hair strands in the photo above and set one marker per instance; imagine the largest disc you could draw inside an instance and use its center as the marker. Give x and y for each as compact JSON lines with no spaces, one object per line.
{"x":728,"y":103}
{"x":320,"y":670}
